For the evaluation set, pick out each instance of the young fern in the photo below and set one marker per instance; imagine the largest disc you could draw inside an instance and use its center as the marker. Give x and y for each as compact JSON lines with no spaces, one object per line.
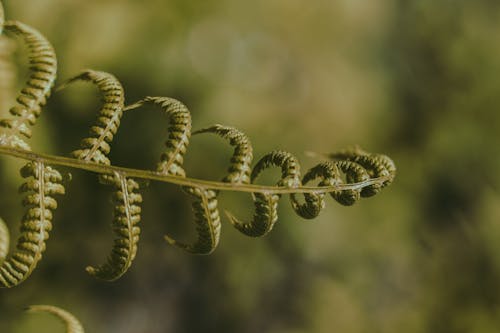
{"x":126,"y":199}
{"x":350,"y":175}
{"x":71,"y":322}
{"x":43,"y":182}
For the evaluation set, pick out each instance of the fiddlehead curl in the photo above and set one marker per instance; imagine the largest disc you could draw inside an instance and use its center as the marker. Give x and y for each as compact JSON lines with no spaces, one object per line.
{"x":207,"y":220}
{"x":43,"y":182}
{"x":71,"y":322}
{"x":207,"y":217}
{"x":127,"y":214}
{"x":315,"y":202}
{"x":127,"y":211}
{"x":376,"y":165}
{"x":266,"y":205}
{"x":43,"y":67}
{"x":241,"y":160}
{"x":179,"y":132}
{"x":96,"y":147}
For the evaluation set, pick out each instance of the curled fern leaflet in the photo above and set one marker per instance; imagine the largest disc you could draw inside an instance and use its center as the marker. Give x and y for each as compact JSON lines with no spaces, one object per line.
{"x":353,"y":173}
{"x":241,"y":160}
{"x":126,"y":199}
{"x":42,"y":183}
{"x":96,"y":147}
{"x":207,"y":220}
{"x":314,"y":202}
{"x":266,"y":205}
{"x":377,"y":165}
{"x":179,"y":132}
{"x":204,"y":205}
{"x":43,"y":68}
{"x":127,"y":214}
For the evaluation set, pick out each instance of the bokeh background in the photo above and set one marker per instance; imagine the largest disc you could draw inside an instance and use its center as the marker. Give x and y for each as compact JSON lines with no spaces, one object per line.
{"x":417,"y":80}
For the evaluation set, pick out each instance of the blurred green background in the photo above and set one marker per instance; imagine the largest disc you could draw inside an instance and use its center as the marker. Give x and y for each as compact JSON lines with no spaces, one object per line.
{"x":417,"y":80}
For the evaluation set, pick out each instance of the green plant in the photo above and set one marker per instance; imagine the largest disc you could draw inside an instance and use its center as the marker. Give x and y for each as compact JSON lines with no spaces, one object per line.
{"x":347,"y":176}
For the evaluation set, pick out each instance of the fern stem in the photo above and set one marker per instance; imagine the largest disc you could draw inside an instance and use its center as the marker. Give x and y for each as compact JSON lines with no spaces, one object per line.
{"x":193,"y":182}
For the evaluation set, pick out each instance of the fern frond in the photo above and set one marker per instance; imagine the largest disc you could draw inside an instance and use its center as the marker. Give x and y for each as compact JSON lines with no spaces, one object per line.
{"x":43,"y":182}
{"x":179,"y":132}
{"x":43,"y":68}
{"x":207,"y":220}
{"x":241,"y":160}
{"x":96,"y":147}
{"x":127,"y":214}
{"x":72,"y":324}
{"x":266,"y":205}
{"x":353,"y":174}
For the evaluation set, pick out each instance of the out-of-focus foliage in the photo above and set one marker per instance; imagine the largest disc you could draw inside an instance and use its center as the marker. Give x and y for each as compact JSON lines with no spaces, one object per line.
{"x":418,"y":80}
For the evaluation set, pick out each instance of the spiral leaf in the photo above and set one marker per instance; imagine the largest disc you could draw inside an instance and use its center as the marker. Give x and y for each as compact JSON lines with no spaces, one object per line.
{"x":127,"y":214}
{"x":72,"y":324}
{"x":97,"y":146}
{"x":266,"y":205}
{"x":42,"y":183}
{"x":314,"y":202}
{"x":207,"y":220}
{"x":241,"y":160}
{"x":179,"y":132}
{"x":377,"y":165}
{"x":204,"y":206}
{"x":126,"y":200}
{"x":43,"y":67}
